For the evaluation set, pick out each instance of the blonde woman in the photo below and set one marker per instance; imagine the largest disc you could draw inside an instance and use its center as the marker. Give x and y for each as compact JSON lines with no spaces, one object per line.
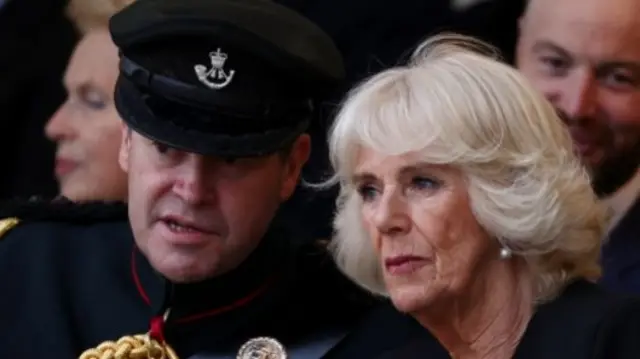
{"x":86,"y":128}
{"x":463,"y":202}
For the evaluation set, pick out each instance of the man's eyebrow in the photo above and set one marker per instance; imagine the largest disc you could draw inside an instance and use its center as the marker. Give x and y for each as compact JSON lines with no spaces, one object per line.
{"x":612,"y":64}
{"x":546,"y":45}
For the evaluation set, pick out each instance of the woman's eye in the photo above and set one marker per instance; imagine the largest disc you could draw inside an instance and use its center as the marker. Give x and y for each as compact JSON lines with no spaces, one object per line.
{"x":424,"y":183}
{"x":367,"y":192}
{"x":92,"y":99}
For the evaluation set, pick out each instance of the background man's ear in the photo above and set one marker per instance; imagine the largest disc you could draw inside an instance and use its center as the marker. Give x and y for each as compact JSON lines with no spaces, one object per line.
{"x":125,"y":148}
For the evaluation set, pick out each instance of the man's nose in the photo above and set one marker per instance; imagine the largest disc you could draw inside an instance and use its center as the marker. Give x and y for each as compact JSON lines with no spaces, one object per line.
{"x":579,"y":97}
{"x":192,"y":183}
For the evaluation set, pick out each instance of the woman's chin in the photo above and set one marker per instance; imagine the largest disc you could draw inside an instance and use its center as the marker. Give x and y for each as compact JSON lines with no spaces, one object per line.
{"x":409,"y":299}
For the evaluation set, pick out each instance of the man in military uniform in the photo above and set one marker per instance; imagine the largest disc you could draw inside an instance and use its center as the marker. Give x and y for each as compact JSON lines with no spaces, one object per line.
{"x":216,"y":96}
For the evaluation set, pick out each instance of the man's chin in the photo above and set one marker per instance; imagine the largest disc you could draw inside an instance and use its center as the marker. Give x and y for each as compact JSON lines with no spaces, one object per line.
{"x":183,"y":276}
{"x":184,"y":270}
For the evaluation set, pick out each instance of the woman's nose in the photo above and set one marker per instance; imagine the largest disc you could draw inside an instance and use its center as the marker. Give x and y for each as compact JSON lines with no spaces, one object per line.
{"x":391,"y":214}
{"x":58,"y":127}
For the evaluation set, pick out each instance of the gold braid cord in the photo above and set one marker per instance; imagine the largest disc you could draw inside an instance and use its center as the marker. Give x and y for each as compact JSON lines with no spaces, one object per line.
{"x":7,"y":224}
{"x":131,"y":347}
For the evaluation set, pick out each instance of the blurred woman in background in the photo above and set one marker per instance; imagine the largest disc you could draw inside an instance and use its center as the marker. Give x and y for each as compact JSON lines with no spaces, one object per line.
{"x":86,"y":128}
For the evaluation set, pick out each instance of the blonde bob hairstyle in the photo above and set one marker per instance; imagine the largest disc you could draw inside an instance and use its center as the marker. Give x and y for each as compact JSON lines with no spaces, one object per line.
{"x":94,"y":14}
{"x":456,"y":104}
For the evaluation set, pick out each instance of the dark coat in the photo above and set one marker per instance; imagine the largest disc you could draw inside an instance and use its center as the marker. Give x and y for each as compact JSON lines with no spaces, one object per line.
{"x":584,"y":322}
{"x":72,"y":278}
{"x":621,"y":254}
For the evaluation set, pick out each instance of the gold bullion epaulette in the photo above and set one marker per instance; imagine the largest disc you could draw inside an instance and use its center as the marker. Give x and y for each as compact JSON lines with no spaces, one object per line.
{"x":7,"y":224}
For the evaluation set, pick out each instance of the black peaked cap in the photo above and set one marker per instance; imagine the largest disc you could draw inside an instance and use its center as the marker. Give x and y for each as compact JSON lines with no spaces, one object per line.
{"x":249,"y":73}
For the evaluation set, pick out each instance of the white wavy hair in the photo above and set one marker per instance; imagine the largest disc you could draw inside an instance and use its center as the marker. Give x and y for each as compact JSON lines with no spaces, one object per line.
{"x":456,"y":104}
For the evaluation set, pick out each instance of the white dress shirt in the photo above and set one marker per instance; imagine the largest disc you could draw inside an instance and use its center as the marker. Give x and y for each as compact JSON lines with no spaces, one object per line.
{"x":622,"y":200}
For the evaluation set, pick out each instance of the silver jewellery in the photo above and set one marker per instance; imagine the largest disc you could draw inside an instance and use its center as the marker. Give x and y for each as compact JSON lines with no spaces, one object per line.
{"x":262,"y":348}
{"x":505,"y":253}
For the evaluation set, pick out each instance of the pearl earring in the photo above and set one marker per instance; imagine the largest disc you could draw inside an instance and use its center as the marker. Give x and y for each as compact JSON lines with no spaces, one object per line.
{"x":505,"y":253}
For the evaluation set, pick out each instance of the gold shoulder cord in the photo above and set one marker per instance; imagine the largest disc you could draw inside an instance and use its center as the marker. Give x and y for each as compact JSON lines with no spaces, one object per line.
{"x":131,"y":347}
{"x":140,"y":346}
{"x":7,"y":224}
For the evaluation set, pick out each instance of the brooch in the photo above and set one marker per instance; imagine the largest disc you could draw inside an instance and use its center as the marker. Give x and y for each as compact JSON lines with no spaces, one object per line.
{"x":262,"y":348}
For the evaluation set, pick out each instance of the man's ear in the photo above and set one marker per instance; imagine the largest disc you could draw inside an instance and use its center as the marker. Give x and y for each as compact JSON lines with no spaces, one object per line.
{"x":294,"y":161}
{"x":519,"y":48}
{"x":524,"y":16}
{"x":125,"y":148}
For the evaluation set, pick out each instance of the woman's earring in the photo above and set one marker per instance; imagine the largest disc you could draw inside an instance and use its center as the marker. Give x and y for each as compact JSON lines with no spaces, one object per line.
{"x":505,"y":253}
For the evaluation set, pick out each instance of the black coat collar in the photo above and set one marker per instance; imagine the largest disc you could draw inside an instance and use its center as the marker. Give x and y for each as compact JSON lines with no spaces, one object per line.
{"x":565,"y":328}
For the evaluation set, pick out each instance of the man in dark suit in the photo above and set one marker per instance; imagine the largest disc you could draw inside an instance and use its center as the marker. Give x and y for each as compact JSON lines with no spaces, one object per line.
{"x":36,"y":41}
{"x":584,"y":55}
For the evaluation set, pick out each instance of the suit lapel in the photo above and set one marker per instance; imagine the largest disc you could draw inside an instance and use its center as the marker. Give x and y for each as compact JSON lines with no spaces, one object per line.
{"x":621,"y":253}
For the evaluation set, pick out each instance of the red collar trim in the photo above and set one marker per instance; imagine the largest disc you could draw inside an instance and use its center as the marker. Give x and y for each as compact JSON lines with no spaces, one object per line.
{"x":136,"y":278}
{"x":209,"y":313}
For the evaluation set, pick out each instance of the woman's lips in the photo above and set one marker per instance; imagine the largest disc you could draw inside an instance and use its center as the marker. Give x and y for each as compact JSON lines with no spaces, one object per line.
{"x":64,"y":166}
{"x":404,"y":264}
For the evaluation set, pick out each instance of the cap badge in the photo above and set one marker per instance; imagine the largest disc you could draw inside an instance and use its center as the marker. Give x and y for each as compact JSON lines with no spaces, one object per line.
{"x":262,"y":348}
{"x":216,"y":77}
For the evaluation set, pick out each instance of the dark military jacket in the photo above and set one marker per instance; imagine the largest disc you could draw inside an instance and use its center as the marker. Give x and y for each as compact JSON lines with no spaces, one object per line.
{"x":71,"y":278}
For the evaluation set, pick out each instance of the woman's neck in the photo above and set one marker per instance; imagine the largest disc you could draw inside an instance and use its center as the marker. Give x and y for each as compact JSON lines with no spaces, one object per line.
{"x":488,"y":319}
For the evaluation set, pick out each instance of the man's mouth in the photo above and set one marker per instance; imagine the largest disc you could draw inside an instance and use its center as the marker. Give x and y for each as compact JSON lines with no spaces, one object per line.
{"x":177,"y":227}
{"x":181,"y":231}
{"x":183,"y":225}
{"x":587,"y":146}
